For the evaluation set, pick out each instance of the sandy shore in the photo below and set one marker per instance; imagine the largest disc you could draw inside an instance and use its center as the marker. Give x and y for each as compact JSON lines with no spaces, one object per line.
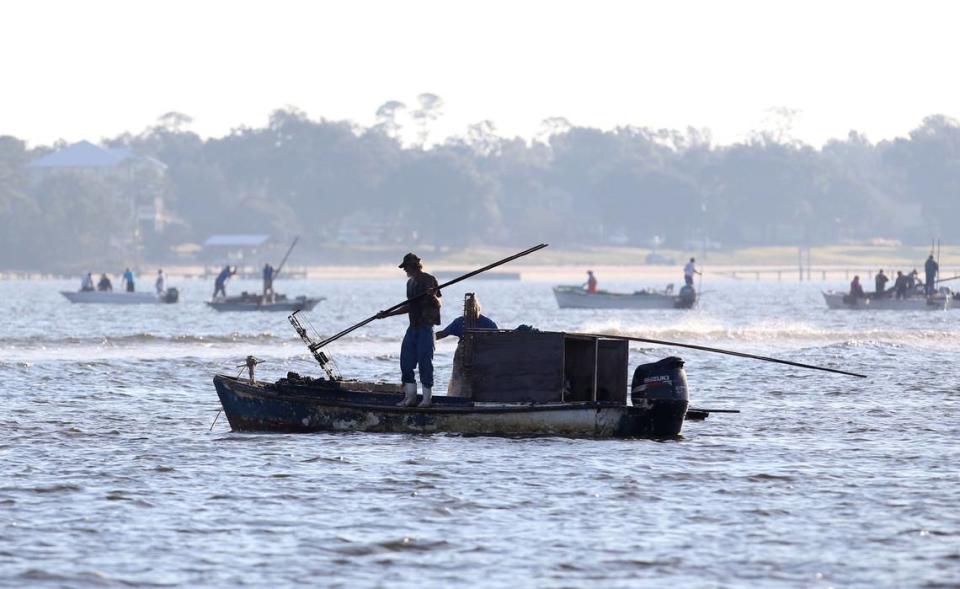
{"x":648,"y":275}
{"x":611,"y":263}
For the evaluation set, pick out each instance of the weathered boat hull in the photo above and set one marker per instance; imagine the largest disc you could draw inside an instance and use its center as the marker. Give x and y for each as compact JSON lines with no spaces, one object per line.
{"x":119,"y":297}
{"x":578,"y":298}
{"x":255,"y":304}
{"x":839,"y":300}
{"x":333,"y":407}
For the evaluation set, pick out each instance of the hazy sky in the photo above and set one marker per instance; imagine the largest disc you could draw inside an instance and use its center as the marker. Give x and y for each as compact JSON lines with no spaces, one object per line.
{"x":90,"y":69}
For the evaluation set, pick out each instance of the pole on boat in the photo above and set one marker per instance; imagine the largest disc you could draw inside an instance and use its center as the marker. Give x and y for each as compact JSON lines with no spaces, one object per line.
{"x":722,"y":351}
{"x":700,"y":282}
{"x":284,"y":260}
{"x":440,"y":287}
{"x":938,"y":257}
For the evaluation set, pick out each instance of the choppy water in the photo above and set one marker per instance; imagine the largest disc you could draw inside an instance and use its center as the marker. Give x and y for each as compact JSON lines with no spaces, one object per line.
{"x":111,"y":477}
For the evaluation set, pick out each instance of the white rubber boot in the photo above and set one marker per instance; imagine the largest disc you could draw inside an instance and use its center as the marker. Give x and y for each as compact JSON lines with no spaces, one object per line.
{"x":427,"y":397}
{"x":409,"y":395}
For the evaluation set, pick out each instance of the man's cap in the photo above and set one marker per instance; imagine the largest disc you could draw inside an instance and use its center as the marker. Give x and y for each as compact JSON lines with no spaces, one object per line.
{"x":410,"y":259}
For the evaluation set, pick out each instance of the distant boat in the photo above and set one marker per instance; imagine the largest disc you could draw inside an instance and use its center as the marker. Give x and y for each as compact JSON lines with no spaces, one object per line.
{"x":575,"y":297}
{"x":171,"y":295}
{"x":839,"y":300}
{"x":260,"y":302}
{"x":257,"y":302}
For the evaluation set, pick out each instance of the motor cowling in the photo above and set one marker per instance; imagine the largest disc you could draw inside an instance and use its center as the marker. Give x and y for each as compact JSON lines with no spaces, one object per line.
{"x":687,"y":297}
{"x":660,"y":399}
{"x":171,"y":295}
{"x":664,"y":380}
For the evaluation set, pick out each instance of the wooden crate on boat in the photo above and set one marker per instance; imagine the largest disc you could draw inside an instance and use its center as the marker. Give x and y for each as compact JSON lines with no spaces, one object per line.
{"x":543,"y":367}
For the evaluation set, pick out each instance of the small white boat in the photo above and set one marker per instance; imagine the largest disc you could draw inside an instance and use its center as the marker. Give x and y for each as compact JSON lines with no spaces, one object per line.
{"x":839,"y":300}
{"x":575,"y":297}
{"x":171,"y":295}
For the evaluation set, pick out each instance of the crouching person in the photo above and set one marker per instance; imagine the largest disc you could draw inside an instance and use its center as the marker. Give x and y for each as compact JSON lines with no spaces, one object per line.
{"x":471,"y":319}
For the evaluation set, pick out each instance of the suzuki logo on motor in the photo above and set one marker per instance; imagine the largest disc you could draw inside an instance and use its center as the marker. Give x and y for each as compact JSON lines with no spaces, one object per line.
{"x":656,"y":380}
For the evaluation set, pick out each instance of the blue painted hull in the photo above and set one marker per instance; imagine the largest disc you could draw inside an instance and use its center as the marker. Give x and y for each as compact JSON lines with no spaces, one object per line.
{"x":355,"y":406}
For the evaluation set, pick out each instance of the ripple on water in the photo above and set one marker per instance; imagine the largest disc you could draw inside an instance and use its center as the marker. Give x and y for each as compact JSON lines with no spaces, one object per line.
{"x":111,"y":476}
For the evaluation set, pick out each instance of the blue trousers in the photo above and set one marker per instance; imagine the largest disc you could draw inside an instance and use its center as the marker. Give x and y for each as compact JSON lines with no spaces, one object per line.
{"x":417,"y":351}
{"x":929,"y":287}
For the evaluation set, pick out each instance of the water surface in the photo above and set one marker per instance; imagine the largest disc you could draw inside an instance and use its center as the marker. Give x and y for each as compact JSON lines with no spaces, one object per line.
{"x":112,"y":477}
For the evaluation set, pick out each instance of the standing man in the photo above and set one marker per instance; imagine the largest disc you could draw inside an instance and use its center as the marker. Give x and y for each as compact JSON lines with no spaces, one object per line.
{"x":128,"y":279}
{"x":931,"y":268}
{"x":900,"y":285}
{"x":416,"y":351}
{"x":268,"y":282}
{"x":220,"y":284}
{"x":688,"y":271}
{"x":161,"y":283}
{"x":880,"y":282}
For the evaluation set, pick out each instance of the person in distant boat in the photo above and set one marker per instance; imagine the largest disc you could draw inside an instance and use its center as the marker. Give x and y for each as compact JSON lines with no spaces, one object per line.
{"x":880,"y":282}
{"x":471,"y":319}
{"x":931,"y":268}
{"x":591,"y":283}
{"x":912,"y":280}
{"x":900,"y":285}
{"x":128,"y":280}
{"x":104,"y":284}
{"x":416,"y":351}
{"x":220,"y":284}
{"x":161,"y":283}
{"x":688,"y":271}
{"x":86,"y":285}
{"x":856,"y":289}
{"x":268,"y":282}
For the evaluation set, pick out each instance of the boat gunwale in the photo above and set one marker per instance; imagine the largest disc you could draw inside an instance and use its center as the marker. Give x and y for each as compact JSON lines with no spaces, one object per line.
{"x":114,"y":297}
{"x":263,"y":390}
{"x":579,"y":291}
{"x":835,"y":301}
{"x":297,"y":304}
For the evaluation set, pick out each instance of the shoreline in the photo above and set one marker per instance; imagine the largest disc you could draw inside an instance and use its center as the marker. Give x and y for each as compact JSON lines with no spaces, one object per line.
{"x":560,"y":273}
{"x":758,"y":263}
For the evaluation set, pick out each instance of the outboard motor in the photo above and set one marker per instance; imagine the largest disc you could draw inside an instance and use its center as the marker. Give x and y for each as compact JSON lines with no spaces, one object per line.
{"x":686,"y":297}
{"x":171,"y":295}
{"x":659,"y":392}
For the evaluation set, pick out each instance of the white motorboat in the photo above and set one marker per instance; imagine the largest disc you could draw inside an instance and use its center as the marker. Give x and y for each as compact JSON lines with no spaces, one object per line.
{"x":576,"y":297}
{"x":171,"y":295}
{"x":839,"y":300}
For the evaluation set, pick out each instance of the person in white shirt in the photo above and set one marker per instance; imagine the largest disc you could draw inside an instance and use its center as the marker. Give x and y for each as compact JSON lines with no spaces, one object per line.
{"x":87,"y":283}
{"x":161,"y":282}
{"x":688,"y":271}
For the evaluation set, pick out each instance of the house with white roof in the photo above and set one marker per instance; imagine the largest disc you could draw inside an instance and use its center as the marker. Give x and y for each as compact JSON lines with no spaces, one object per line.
{"x":141,"y":179}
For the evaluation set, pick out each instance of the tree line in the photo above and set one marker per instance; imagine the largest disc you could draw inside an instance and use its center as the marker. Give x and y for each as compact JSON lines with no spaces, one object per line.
{"x":339,"y":184}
